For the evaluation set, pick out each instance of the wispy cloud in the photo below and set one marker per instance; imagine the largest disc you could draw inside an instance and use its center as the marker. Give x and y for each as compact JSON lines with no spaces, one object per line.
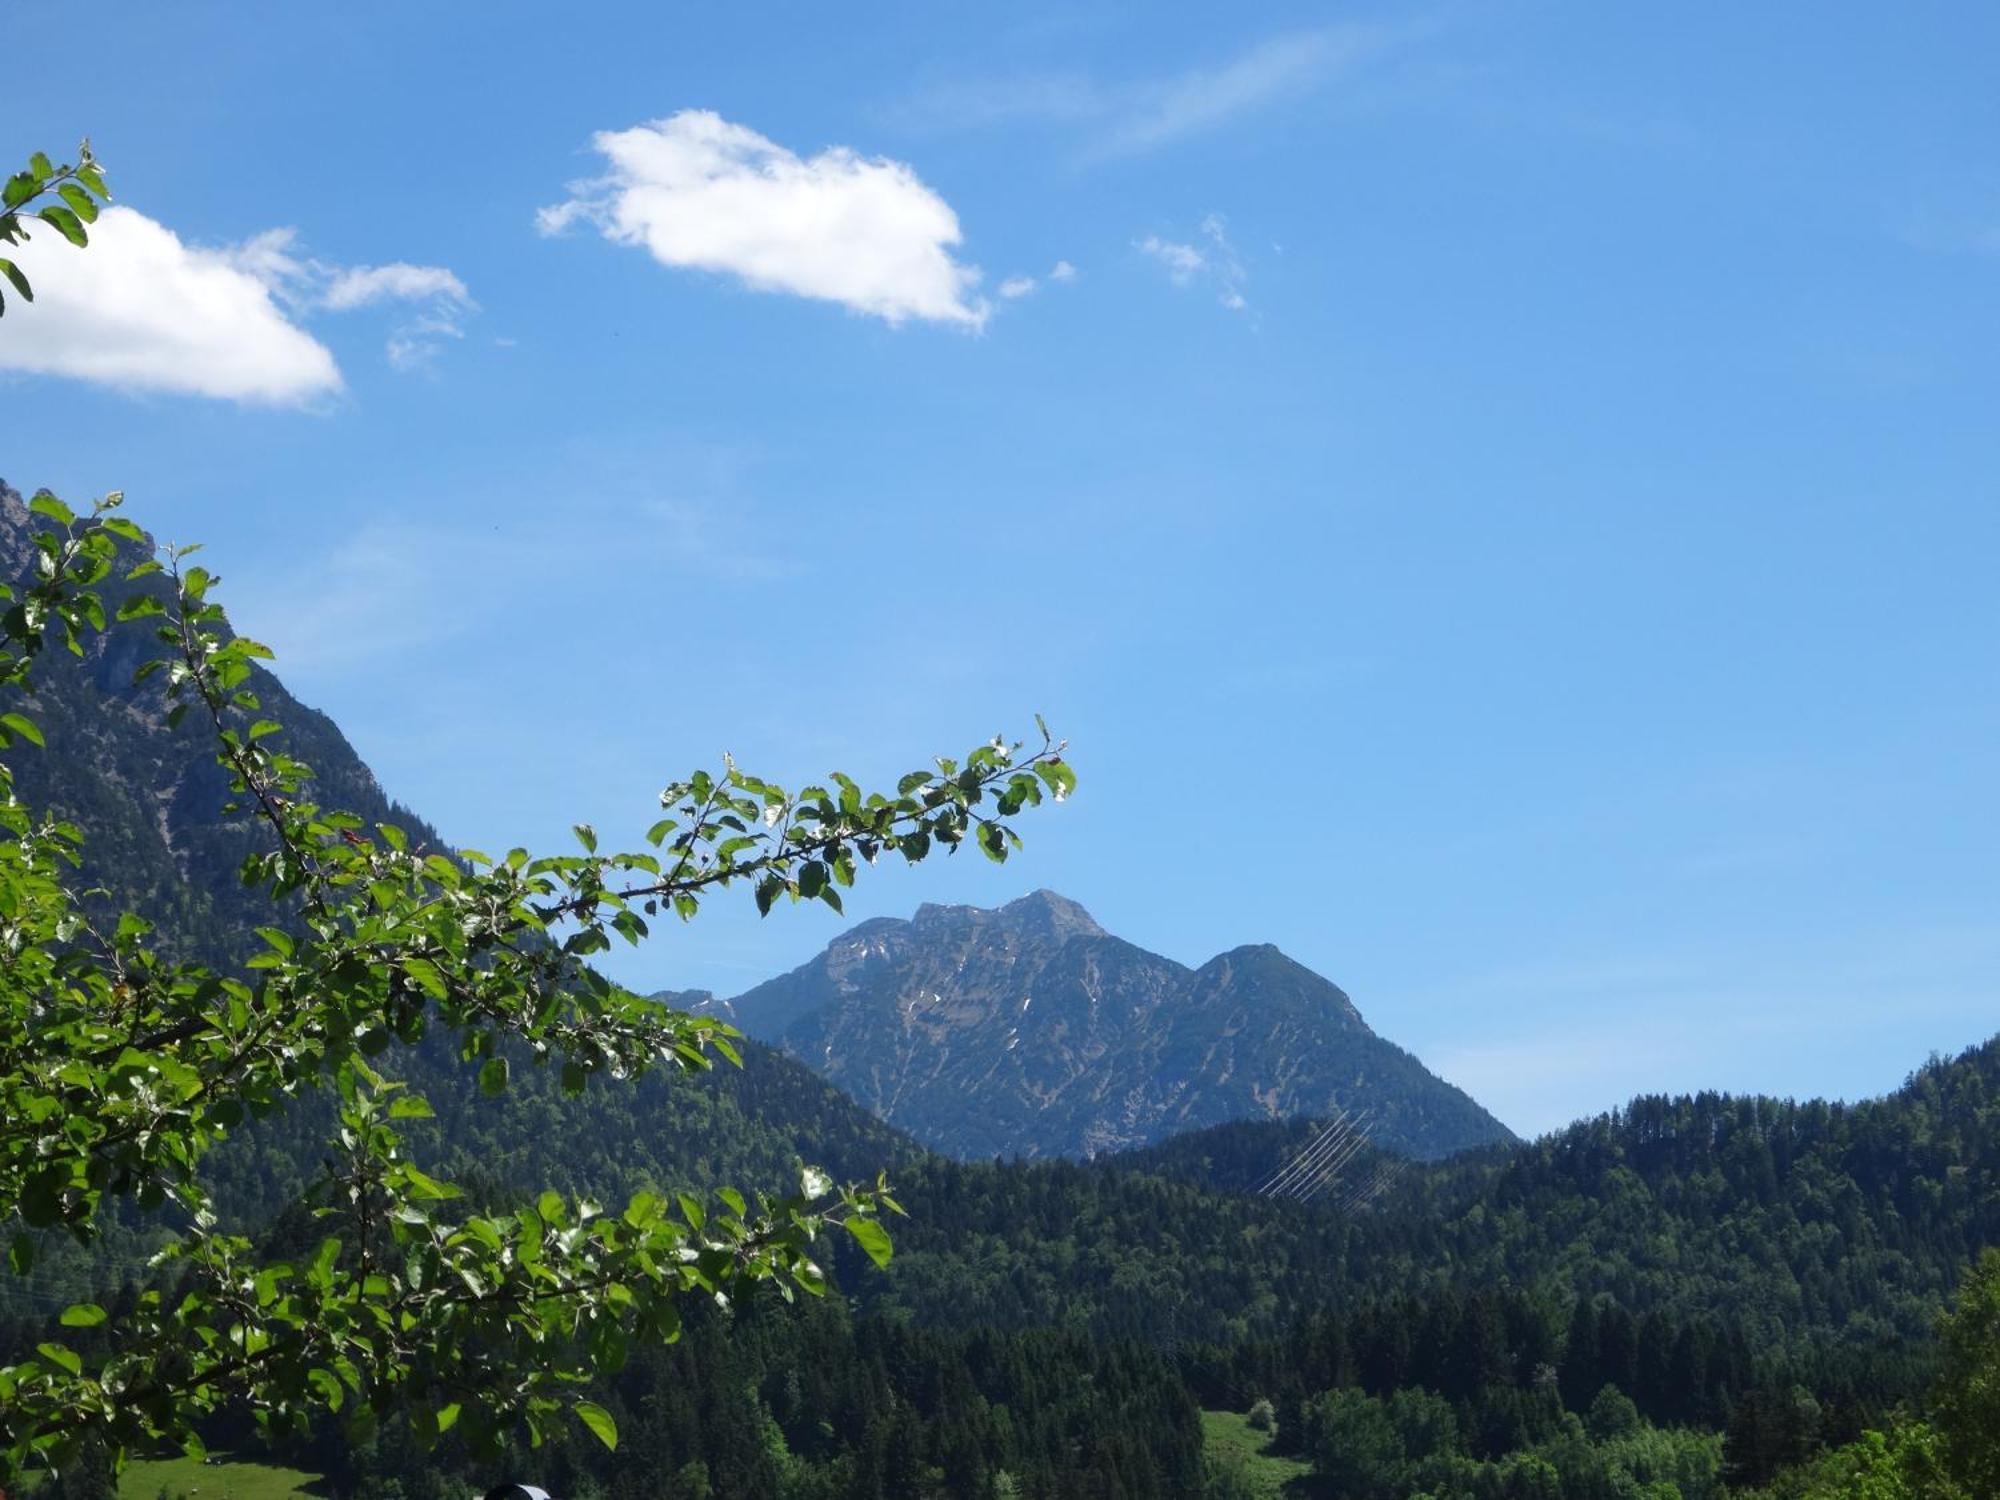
{"x":1211,"y":261}
{"x":1183,"y":262}
{"x":1282,"y":68}
{"x":1130,"y":116}
{"x":383,"y":589}
{"x":306,"y":283}
{"x":1016,"y":287}
{"x":697,"y":192}
{"x":359,"y":286}
{"x":1067,"y":96}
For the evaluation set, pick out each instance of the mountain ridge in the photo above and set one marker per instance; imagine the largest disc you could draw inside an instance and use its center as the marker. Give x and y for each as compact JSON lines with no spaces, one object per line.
{"x":1030,"y":1030}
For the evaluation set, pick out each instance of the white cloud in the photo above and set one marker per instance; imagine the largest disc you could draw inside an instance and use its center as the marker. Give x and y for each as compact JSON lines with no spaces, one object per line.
{"x":700,"y":193}
{"x":308,"y":284}
{"x":1183,"y":262}
{"x":1214,"y":262}
{"x":358,"y":286}
{"x":413,"y":345}
{"x":268,"y":257}
{"x":1016,"y":287}
{"x":140,"y":309}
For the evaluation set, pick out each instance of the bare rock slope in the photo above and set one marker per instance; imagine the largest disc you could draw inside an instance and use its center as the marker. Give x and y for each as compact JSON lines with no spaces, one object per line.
{"x":1029,"y":1030}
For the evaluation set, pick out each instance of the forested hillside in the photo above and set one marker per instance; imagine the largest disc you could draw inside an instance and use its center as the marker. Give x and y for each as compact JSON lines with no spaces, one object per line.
{"x":1797,"y":1217}
{"x":1747,"y":1300}
{"x":148,"y":793}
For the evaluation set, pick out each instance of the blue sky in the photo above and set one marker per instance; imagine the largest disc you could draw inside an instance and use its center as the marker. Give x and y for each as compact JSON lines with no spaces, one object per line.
{"x":1502,"y":498}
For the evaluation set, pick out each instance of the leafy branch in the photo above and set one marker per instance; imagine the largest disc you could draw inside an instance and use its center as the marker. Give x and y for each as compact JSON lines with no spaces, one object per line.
{"x":119,"y":1071}
{"x":74,"y":190}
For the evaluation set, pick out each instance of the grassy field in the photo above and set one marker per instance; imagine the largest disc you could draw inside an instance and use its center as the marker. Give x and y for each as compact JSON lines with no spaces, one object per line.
{"x":145,"y":1479}
{"x":1229,"y":1439}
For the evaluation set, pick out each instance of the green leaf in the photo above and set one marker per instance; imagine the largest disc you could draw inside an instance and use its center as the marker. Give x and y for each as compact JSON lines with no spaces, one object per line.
{"x":83,"y":1315}
{"x":411,"y":1107}
{"x":23,"y":726}
{"x":19,"y":189}
{"x":63,"y":1358}
{"x":80,"y":201}
{"x":768,"y":891}
{"x":41,"y":166}
{"x":598,"y":1420}
{"x":324,"y":1260}
{"x":67,"y":224}
{"x":45,"y":504}
{"x":1059,"y":778}
{"x":427,"y":1187}
{"x":424,"y":974}
{"x":14,"y":274}
{"x":493,"y":1077}
{"x":872,"y":1237}
{"x":21,"y":1254}
{"x":814,"y":1183}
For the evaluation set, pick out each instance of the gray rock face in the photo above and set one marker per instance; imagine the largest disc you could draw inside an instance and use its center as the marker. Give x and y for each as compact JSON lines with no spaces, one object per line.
{"x":1031,"y":1031}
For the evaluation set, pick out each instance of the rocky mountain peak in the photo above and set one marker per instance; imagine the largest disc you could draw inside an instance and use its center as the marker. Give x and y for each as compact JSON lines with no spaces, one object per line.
{"x":1044,"y":914}
{"x":1030,"y":1030}
{"x":1045,"y":910}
